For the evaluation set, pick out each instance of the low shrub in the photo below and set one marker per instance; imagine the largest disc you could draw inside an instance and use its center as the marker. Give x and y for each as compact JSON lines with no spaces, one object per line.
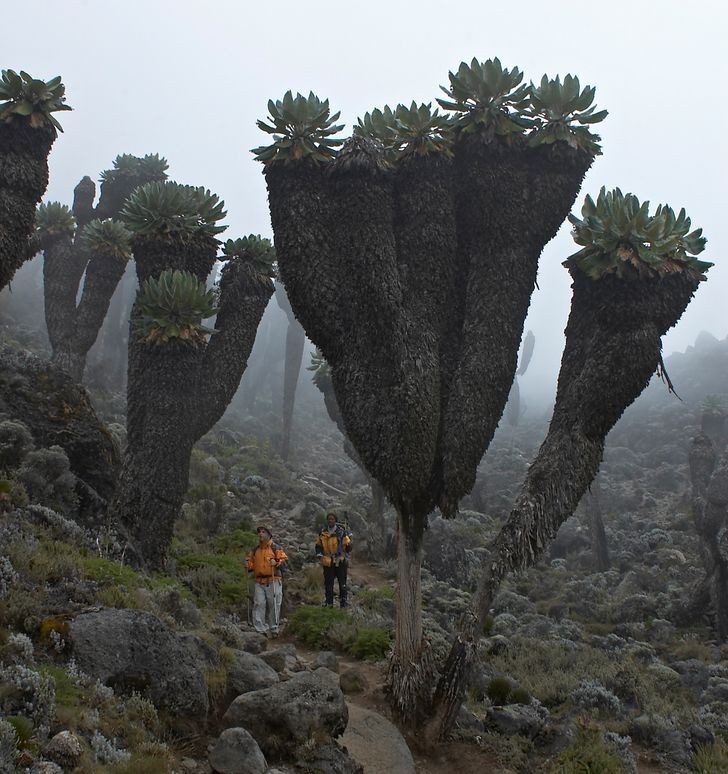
{"x":498,"y":690}
{"x":588,"y":754}
{"x":312,"y":624}
{"x":371,"y":644}
{"x":710,"y":758}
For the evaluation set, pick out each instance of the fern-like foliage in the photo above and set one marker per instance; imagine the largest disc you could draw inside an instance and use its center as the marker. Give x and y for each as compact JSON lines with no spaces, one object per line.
{"x":302,"y":127}
{"x":53,"y":220}
{"x":22,"y":96}
{"x":172,"y":306}
{"x":562,"y":112}
{"x":487,"y":99}
{"x":167,"y":210}
{"x":108,"y":237}
{"x":620,"y":236}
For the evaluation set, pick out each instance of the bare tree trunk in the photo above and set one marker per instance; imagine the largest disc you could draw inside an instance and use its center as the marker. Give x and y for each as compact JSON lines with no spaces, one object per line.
{"x":612,"y":349}
{"x":295,"y":341}
{"x":710,"y":512}
{"x":600,"y":549}
{"x":411,"y":667}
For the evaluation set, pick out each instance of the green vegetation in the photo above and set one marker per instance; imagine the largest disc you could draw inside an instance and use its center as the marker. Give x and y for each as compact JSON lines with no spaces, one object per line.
{"x":311,"y":624}
{"x":619,"y":236}
{"x":556,"y":107}
{"x":53,"y":220}
{"x":302,"y":127}
{"x":106,"y":571}
{"x":488,"y":99}
{"x":173,"y":306}
{"x":588,"y":754}
{"x":407,"y":131}
{"x":108,"y":237}
{"x":22,"y":96}
{"x":371,"y":643}
{"x":166,"y":209}
{"x":254,"y":250}
{"x":498,"y":690}
{"x":131,"y":168}
{"x":715,"y":406}
{"x":711,"y":758}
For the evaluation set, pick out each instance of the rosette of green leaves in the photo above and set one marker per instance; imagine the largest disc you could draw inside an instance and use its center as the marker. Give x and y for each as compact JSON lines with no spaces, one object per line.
{"x":144,"y":169}
{"x":620,"y":236}
{"x":254,"y":250}
{"x":23,"y":96}
{"x":319,"y":366}
{"x":108,"y":237}
{"x":53,"y":220}
{"x":416,"y":130}
{"x":167,"y":210}
{"x":172,"y":306}
{"x":302,"y":127}
{"x":562,"y":112}
{"x":488,"y":99}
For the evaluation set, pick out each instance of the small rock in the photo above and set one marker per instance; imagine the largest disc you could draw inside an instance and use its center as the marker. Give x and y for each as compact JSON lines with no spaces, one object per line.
{"x":353,"y":680}
{"x":65,"y":749}
{"x":236,"y":752}
{"x":327,"y":659}
{"x":524,"y":719}
{"x":248,"y":673}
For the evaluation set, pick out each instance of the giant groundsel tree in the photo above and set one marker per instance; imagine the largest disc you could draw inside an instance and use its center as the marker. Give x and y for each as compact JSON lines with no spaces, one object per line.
{"x":28,"y":129}
{"x":410,"y":256}
{"x":87,"y":243}
{"x":181,"y":375}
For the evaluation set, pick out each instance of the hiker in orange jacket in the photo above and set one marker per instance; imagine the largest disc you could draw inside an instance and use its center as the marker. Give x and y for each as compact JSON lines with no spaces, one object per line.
{"x":333,"y":547}
{"x":267,"y":561}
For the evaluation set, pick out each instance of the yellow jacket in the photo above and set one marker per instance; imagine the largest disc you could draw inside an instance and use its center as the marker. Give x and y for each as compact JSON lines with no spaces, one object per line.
{"x":259,"y":562}
{"x":333,"y":547}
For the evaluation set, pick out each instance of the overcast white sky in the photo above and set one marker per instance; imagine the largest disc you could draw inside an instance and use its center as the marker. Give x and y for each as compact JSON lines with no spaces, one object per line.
{"x":188,"y":80}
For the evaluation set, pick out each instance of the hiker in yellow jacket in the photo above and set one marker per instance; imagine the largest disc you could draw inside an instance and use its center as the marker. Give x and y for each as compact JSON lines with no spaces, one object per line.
{"x":267,"y":561}
{"x":333,"y":547}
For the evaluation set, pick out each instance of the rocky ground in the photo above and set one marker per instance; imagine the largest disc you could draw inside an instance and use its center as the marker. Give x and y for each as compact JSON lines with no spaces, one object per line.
{"x":106,"y":669}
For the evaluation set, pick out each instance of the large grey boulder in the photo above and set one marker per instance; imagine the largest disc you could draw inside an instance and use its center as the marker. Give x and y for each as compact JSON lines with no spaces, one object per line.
{"x":375,"y":743}
{"x":135,"y":650}
{"x":248,"y":673}
{"x":236,"y":752}
{"x":524,"y":719}
{"x":287,"y":714}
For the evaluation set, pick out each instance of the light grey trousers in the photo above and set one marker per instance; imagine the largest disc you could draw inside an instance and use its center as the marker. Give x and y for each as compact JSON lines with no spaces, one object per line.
{"x":267,"y":604}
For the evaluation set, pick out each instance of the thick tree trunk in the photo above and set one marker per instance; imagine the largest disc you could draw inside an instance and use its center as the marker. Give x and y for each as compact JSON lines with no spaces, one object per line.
{"x":600,"y":549}
{"x":23,"y":181}
{"x":710,"y":512}
{"x":176,"y":392}
{"x":510,"y":202}
{"x":612,"y":350}
{"x":295,"y":342}
{"x":411,"y":667}
{"x":63,"y":267}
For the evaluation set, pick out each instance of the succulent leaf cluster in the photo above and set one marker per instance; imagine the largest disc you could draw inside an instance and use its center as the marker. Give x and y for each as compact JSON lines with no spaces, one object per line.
{"x":172,"y":306}
{"x":254,"y":250}
{"x":23,"y":96}
{"x":141,"y":169}
{"x":407,"y":131}
{"x":167,"y":210}
{"x":319,"y":366}
{"x":558,"y":107}
{"x":620,"y":236}
{"x":53,"y":220}
{"x":302,"y":127}
{"x":108,"y":237}
{"x":488,"y":99}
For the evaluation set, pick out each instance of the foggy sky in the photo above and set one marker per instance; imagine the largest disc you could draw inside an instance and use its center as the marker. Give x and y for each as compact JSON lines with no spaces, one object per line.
{"x":188,"y":80}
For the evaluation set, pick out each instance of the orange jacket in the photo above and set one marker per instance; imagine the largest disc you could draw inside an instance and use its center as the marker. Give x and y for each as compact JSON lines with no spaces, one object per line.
{"x":258,"y":562}
{"x":333,"y":546}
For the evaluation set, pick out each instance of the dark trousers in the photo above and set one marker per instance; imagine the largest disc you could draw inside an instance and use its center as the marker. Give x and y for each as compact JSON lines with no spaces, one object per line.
{"x":335,"y":572}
